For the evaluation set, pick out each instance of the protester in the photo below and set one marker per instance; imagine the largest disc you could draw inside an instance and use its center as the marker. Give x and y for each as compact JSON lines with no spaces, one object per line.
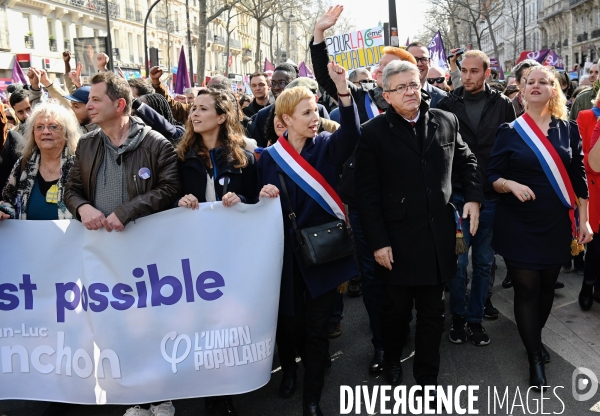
{"x":584,"y":99}
{"x":587,"y":120}
{"x":219,"y":81}
{"x":190,"y":94}
{"x":244,"y":101}
{"x":79,"y":100}
{"x":594,"y":156}
{"x":140,"y":87}
{"x":308,"y":293}
{"x":369,"y":102}
{"x":10,"y":139}
{"x":480,"y":111}
{"x":154,"y":110}
{"x":566,"y":86}
{"x":511,"y":91}
{"x":37,"y":182}
{"x":404,"y":163}
{"x":421,"y":54}
{"x":436,"y":76}
{"x":284,"y":74}
{"x":137,"y":173}
{"x":259,"y":85}
{"x":19,"y":101}
{"x":274,"y":128}
{"x":521,"y":70}
{"x":180,"y":110}
{"x":532,"y":228}
{"x":360,"y":75}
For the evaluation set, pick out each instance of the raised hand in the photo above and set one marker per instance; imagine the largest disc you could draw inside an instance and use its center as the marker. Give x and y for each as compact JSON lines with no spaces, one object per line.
{"x":155,"y":74}
{"x":329,"y":19}
{"x":102,"y":62}
{"x":66,"y":56}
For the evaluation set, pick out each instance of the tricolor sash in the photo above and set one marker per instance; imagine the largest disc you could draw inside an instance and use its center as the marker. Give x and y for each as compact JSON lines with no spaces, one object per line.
{"x":372,"y":109}
{"x":307,"y":177}
{"x":548,"y":157}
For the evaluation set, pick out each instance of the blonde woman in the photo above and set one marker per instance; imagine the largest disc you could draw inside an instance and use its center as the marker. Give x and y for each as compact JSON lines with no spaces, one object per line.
{"x":533,"y":228}
{"x":36,"y":184}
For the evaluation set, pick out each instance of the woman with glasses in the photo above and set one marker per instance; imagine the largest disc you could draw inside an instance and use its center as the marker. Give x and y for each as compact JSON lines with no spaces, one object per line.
{"x":533,"y":229}
{"x":36,"y":184}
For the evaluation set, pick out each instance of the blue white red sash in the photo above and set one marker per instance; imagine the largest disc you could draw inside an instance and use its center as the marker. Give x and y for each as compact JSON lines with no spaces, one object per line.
{"x":307,"y":177}
{"x":372,"y":109}
{"x":546,"y":153}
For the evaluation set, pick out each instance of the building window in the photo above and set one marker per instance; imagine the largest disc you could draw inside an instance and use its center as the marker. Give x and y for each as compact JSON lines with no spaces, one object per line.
{"x":4,"y":44}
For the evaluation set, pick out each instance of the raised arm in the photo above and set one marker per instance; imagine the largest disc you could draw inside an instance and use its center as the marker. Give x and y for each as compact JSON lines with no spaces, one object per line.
{"x":180,"y":110}
{"x":318,"y":50}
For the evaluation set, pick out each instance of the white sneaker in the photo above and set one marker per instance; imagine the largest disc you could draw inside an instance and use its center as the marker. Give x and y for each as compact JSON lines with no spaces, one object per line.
{"x":163,"y":409}
{"x":137,"y":411}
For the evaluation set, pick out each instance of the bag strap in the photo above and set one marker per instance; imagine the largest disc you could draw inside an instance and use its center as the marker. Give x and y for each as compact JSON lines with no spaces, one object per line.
{"x":292,"y":215}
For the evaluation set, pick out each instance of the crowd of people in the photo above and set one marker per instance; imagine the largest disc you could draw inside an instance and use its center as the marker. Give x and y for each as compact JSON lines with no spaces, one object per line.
{"x":428,"y":165}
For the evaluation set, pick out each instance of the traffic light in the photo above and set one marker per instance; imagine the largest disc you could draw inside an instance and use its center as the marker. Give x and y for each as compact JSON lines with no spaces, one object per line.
{"x":154,"y":56}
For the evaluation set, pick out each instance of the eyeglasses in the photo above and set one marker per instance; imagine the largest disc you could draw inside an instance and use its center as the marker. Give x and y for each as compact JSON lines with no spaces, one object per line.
{"x":439,"y":80}
{"x":402,"y":89}
{"x":423,"y":60}
{"x":281,"y":84}
{"x":52,"y":127}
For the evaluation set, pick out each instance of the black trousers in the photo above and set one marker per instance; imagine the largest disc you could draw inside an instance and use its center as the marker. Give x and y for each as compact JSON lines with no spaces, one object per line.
{"x":395,"y":316}
{"x":305,"y":334}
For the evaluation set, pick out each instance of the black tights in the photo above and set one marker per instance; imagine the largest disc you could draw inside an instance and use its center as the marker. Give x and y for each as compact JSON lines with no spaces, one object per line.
{"x":534,"y":294}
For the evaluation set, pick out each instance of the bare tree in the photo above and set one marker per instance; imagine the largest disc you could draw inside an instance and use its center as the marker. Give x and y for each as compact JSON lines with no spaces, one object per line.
{"x":261,"y":10}
{"x":205,"y":19}
{"x":512,"y":12}
{"x":229,"y":30}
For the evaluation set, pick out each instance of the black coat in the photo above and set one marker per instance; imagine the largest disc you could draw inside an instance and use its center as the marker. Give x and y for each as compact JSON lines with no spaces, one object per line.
{"x":242,"y":181}
{"x":9,"y":156}
{"x":497,"y":111}
{"x":403,"y":193}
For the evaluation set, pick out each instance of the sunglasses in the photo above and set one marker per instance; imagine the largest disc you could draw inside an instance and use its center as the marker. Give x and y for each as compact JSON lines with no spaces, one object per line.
{"x":439,"y":80}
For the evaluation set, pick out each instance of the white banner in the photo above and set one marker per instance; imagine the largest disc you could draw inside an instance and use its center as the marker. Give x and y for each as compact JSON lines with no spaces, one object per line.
{"x":181,"y":304}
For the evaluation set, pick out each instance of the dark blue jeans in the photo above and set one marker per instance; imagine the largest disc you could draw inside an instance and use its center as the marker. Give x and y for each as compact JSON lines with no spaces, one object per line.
{"x":372,"y":288}
{"x":483,"y":258}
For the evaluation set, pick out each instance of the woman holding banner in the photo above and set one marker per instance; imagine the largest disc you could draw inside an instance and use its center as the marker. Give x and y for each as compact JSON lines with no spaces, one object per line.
{"x":308,"y":163}
{"x":212,"y":161}
{"x":537,"y":167}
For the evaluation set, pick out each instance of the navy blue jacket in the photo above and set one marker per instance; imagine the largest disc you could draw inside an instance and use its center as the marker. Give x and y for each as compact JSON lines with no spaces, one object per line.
{"x":152,"y":118}
{"x":326,"y":153}
{"x":240,"y":181}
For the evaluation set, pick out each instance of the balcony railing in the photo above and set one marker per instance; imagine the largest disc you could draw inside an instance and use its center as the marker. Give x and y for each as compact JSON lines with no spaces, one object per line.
{"x":195,"y":29}
{"x":248,"y":53}
{"x":138,"y":16}
{"x":235,"y":43}
{"x":52,"y":44}
{"x":66,"y":45}
{"x":579,"y":38}
{"x":29,"y":42}
{"x":573,"y":3}
{"x":595,"y":34}
{"x":219,"y":40}
{"x":94,"y":6}
{"x":131,"y":58}
{"x":129,"y":13}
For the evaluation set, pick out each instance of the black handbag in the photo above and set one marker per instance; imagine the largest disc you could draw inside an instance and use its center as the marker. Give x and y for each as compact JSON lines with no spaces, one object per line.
{"x":322,"y":243}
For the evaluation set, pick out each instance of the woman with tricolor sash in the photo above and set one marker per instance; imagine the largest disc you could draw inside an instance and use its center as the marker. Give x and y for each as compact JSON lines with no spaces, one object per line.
{"x":536,"y":166}
{"x":309,"y":163}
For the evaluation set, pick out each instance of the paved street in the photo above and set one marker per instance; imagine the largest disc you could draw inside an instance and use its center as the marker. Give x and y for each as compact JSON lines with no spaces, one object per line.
{"x":571,"y":336}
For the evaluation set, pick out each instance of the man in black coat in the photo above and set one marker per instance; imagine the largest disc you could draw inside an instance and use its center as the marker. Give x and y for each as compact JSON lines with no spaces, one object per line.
{"x":404,"y":164}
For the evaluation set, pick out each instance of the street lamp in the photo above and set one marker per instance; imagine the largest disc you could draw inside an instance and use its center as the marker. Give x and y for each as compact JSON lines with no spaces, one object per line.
{"x":288,"y":55}
{"x":146,"y":37}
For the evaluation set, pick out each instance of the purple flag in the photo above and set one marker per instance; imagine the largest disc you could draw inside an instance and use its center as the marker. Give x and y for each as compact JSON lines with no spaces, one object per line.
{"x":183,"y":78}
{"x":437,"y":52}
{"x":552,"y":59}
{"x":17,"y":73}
{"x":501,"y":73}
{"x":268,"y":66}
{"x":304,"y":71}
{"x":407,"y":41}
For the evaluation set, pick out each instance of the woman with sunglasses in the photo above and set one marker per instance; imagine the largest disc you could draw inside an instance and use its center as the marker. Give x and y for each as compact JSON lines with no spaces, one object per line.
{"x":36,"y":184}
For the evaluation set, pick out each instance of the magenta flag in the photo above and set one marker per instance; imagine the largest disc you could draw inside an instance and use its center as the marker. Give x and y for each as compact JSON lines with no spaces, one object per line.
{"x":437,"y":52}
{"x":304,"y":71}
{"x":268,"y":66}
{"x":183,"y":78}
{"x":17,"y":73}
